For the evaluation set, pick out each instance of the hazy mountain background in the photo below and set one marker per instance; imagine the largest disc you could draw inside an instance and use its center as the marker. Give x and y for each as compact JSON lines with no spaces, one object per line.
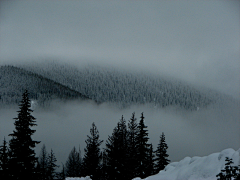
{"x":186,"y":50}
{"x":103,"y":84}
{"x":42,"y":90}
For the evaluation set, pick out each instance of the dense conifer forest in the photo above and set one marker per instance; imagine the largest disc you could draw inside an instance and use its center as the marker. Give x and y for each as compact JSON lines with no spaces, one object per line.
{"x":51,"y":80}
{"x":14,"y":80}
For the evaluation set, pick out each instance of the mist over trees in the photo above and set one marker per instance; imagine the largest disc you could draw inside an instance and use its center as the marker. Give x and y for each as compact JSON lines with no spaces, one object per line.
{"x":127,"y":153}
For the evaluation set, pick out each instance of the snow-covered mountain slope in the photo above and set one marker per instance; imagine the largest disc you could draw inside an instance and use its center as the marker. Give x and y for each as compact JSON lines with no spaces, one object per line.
{"x":13,"y":82}
{"x":125,"y":88}
{"x":197,"y":168}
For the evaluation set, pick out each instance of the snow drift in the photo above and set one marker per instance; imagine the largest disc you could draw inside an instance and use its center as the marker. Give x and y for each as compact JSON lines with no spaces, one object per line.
{"x":197,"y":167}
{"x":76,"y":178}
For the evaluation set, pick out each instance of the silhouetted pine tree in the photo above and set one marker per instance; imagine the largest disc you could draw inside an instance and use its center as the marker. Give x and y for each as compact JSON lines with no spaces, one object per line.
{"x":92,"y":157}
{"x":4,"y":160}
{"x":73,"y":164}
{"x":132,"y":146}
{"x":116,"y":147}
{"x":161,"y":154}
{"x":43,"y":163}
{"x":229,"y":172}
{"x":150,"y":167}
{"x":22,"y":162}
{"x":112,"y":149}
{"x":123,"y":151}
{"x":103,"y":165}
{"x":51,"y":169}
{"x":142,"y":149}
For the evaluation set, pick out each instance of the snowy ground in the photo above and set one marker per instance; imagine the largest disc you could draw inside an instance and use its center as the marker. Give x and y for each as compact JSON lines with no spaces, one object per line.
{"x":197,"y":167}
{"x":75,"y":178}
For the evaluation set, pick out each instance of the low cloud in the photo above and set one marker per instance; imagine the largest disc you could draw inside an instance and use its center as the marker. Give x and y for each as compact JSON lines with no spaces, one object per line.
{"x":187,"y":133}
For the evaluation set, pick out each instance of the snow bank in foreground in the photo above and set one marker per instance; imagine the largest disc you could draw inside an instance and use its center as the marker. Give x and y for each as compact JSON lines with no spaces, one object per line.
{"x":197,"y":167}
{"x":76,"y":178}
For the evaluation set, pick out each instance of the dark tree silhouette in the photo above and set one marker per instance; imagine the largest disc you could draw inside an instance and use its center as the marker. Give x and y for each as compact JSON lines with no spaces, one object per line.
{"x":4,"y":160}
{"x":142,"y":148}
{"x":43,"y":163}
{"x":51,"y":170}
{"x":73,"y":164}
{"x":92,"y":157}
{"x":150,"y":167}
{"x":22,"y":162}
{"x":161,"y":154}
{"x":229,"y":172}
{"x":132,"y":146}
{"x":116,"y":147}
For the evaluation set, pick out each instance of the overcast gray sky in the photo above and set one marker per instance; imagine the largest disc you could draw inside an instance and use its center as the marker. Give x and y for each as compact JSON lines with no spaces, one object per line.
{"x":197,"y":41}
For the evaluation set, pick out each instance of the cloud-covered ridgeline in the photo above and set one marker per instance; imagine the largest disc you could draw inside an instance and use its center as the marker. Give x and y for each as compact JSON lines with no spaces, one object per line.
{"x":196,"y":41}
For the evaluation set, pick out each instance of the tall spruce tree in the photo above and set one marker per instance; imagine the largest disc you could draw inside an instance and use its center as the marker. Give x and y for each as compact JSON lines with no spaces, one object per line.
{"x":74,"y":164}
{"x":51,"y":169}
{"x":111,"y":150}
{"x":150,"y":167}
{"x":123,"y":149}
{"x":22,"y":162}
{"x":104,"y":165}
{"x":142,"y":149}
{"x":43,"y":163}
{"x":161,"y":154}
{"x":92,"y":157}
{"x":4,"y":160}
{"x":132,"y":146}
{"x":116,"y":150}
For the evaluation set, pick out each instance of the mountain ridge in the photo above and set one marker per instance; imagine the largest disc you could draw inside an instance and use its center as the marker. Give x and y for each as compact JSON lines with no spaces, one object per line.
{"x":119,"y":86}
{"x":124,"y":88}
{"x":15,"y":80}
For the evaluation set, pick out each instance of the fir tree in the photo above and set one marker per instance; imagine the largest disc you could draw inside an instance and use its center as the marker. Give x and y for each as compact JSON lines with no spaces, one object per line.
{"x":22,"y":162}
{"x":161,"y":154}
{"x":4,"y":160}
{"x":132,"y":146}
{"x":142,"y":149}
{"x":150,"y":167}
{"x":73,"y":164}
{"x":103,"y":165}
{"x":123,"y":149}
{"x":92,"y":157}
{"x":43,"y":163}
{"x":116,"y":147}
{"x":112,"y":149}
{"x":51,"y":169}
{"x":229,"y":172}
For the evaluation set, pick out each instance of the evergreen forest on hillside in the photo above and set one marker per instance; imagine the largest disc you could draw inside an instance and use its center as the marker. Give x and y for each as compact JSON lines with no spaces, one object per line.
{"x":101,"y":84}
{"x":14,"y":80}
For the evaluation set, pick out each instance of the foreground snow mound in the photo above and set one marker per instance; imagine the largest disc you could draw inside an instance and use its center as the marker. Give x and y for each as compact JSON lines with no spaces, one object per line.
{"x":197,"y":167}
{"x":77,"y":178}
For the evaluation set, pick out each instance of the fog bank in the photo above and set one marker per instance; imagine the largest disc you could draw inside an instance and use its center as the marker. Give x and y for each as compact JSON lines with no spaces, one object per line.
{"x":196,"y":133}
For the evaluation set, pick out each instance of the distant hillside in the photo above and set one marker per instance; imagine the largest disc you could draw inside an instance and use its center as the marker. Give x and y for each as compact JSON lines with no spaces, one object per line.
{"x":126,"y":88}
{"x":14,"y":80}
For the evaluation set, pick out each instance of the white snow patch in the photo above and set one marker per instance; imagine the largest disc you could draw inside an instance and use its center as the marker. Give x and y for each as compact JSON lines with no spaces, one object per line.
{"x":197,"y":168}
{"x":78,"y":178}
